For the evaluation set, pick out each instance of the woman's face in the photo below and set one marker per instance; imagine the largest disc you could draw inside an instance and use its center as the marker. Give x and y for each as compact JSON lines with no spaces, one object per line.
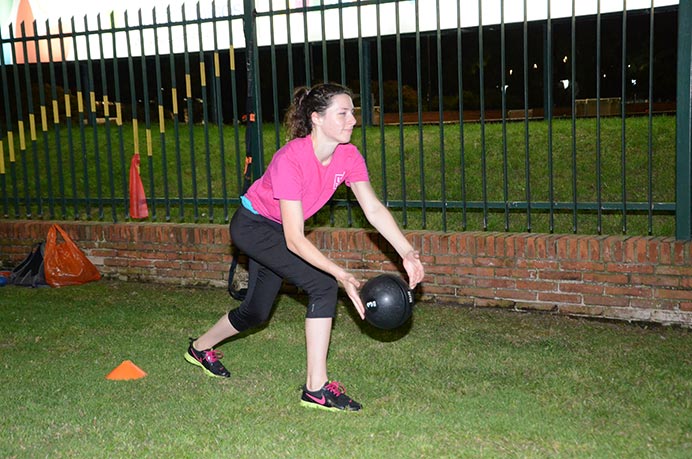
{"x":337,"y":121}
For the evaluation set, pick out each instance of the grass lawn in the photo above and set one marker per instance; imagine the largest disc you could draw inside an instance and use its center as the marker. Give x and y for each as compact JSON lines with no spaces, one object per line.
{"x":457,"y":382}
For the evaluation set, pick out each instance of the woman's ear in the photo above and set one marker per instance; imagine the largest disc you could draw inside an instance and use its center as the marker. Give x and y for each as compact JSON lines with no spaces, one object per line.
{"x":316,"y":119}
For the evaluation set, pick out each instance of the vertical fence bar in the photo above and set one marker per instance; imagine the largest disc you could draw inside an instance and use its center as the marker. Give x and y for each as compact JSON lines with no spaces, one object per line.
{"x":80,"y":120}
{"x":105,"y":100}
{"x":364,"y":96}
{"x":3,"y":179}
{"x":650,"y":111}
{"x":325,"y":67}
{"x":342,"y":50}
{"x":205,"y":114}
{"x":3,"y":175}
{"x":253,"y":133}
{"x":306,"y":47}
{"x":32,"y":125}
{"x":481,"y":80}
{"x":549,"y":116}
{"x":275,"y":77}
{"x":189,"y":120}
{"x":133,"y":93}
{"x":573,"y":99}
{"x":10,"y":133}
{"x":259,"y":165}
{"x":68,"y":119}
{"x":176,"y":115}
{"x":599,"y":199}
{"x":56,"y":124}
{"x":162,"y":118}
{"x":119,"y":115}
{"x":419,"y":108}
{"x":91,"y":111}
{"x":683,"y":204}
{"x":503,"y":89}
{"x":527,"y":149}
{"x":462,"y":147}
{"x":219,"y":116}
{"x":400,"y":107}
{"x":289,"y":49}
{"x":20,"y":127}
{"x":440,"y":102}
{"x":380,"y":101}
{"x":623,"y":117}
{"x":147,"y":117}
{"x":236,"y":117}
{"x":44,"y":127}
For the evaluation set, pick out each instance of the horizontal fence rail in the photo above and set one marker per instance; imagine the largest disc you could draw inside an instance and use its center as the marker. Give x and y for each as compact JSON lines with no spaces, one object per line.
{"x":470,"y":117}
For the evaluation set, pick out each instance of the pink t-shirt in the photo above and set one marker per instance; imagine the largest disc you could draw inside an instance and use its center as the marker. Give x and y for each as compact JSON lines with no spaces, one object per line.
{"x":295,"y":174}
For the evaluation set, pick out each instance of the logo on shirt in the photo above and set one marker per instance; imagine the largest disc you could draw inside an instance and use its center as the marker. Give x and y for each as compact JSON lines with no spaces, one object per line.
{"x":338,"y":178}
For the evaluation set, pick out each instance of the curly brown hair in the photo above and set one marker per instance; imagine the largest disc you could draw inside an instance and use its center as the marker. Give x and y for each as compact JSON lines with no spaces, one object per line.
{"x":306,"y":100}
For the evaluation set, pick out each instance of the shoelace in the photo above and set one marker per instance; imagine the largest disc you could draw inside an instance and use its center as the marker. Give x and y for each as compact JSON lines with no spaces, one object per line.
{"x":212,"y":356}
{"x":335,"y":387}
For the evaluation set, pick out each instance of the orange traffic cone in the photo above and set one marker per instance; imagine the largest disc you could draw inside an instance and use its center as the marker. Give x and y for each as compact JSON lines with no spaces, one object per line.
{"x":126,"y":370}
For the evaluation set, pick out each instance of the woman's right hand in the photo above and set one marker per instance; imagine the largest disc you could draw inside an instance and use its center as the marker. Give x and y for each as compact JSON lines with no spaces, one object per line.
{"x":351,"y":285}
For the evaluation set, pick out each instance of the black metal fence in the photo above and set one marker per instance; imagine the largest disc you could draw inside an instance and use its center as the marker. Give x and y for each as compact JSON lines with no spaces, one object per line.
{"x":471,"y":117}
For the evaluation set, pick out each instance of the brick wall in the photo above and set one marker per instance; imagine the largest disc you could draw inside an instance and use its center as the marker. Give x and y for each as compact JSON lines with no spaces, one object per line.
{"x":626,"y":278}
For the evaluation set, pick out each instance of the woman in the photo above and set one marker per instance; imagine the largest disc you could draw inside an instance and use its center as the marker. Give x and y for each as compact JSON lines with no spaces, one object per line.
{"x":269,"y":229}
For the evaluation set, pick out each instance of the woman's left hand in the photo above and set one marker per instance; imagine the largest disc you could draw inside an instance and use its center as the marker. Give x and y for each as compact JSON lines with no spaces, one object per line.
{"x":414,"y":268}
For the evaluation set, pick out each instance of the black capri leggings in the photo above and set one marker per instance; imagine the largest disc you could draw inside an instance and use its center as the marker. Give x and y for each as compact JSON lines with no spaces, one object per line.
{"x":270,"y":262}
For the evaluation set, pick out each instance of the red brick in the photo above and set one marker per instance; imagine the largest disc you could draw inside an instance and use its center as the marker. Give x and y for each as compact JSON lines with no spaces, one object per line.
{"x":602,"y":300}
{"x":630,"y":268}
{"x":606,"y":278}
{"x":660,"y":281}
{"x":536,"y":285}
{"x":431,"y":289}
{"x":679,"y":270}
{"x":495,"y":283}
{"x":581,"y":288}
{"x":474,"y":271}
{"x":653,"y":303}
{"x":542,"y":265}
{"x":582,"y":310}
{"x":560,"y":298}
{"x":521,"y":295}
{"x":639,"y":292}
{"x":561,"y":275}
{"x":684,"y":295}
{"x":686,"y":306}
{"x":440,"y":269}
{"x":516,"y":273}
{"x":586,"y":266}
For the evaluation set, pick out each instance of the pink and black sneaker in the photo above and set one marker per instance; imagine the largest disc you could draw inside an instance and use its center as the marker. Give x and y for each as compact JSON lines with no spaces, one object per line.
{"x":331,"y":397}
{"x":208,"y":360}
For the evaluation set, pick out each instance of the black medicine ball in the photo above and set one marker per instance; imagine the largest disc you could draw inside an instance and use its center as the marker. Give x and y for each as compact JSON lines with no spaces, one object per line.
{"x":388,"y":301}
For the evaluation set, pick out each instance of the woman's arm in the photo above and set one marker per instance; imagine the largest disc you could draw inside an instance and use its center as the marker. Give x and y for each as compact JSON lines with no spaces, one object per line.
{"x":380,"y":217}
{"x":294,"y":232}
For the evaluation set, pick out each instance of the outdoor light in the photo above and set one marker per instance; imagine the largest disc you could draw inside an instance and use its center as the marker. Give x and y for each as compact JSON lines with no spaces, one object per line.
{"x":565,"y":83}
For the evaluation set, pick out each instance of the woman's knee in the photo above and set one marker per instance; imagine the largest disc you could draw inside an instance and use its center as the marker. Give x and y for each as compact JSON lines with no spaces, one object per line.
{"x":322,"y":299}
{"x":246,"y":318}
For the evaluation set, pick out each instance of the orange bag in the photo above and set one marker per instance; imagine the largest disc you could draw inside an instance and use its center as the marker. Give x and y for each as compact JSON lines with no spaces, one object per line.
{"x":64,"y":263}
{"x":138,"y":201}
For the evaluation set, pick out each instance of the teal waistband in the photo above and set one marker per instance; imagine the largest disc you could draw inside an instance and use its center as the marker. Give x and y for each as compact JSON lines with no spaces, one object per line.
{"x":248,"y":205}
